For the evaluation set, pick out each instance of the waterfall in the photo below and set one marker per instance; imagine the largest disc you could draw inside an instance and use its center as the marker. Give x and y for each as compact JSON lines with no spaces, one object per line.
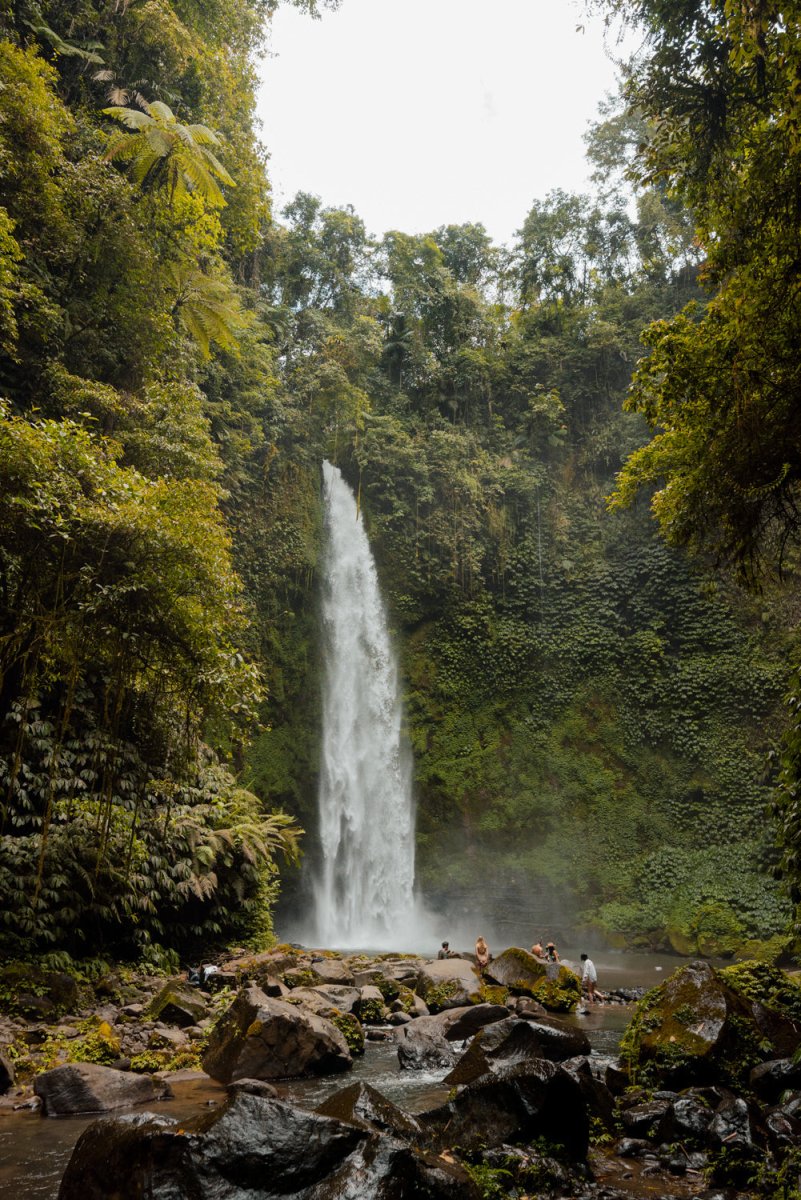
{"x":364,"y":891}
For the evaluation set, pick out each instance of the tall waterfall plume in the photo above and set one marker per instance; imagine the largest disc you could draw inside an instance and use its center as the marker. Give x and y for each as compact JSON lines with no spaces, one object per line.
{"x":365,"y":890}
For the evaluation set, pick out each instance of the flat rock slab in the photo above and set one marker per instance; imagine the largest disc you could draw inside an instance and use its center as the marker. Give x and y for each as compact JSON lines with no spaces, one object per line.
{"x":89,"y":1088}
{"x":321,"y":1000}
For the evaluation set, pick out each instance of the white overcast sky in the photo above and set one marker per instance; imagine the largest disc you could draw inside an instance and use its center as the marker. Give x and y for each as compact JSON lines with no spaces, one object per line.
{"x":422,"y":113}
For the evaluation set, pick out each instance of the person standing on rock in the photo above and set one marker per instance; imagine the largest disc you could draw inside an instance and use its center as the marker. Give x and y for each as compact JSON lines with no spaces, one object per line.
{"x":483,"y":955}
{"x":589,"y":978}
{"x":551,"y":953}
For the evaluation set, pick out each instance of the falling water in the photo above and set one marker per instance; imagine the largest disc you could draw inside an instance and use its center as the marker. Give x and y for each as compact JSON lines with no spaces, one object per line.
{"x":364,"y":894}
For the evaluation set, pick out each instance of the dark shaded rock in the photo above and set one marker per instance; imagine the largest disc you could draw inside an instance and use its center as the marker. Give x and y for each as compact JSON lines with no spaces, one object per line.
{"x":518,"y":1104}
{"x":494,"y":1047}
{"x":633,"y":1147}
{"x":616,"y":1080}
{"x":89,"y":1088}
{"x":599,"y":1100}
{"x":731,"y":1124}
{"x":254,"y":1149}
{"x":686,"y":1119}
{"x":770,"y":1079}
{"x":781,"y":1130}
{"x":361,"y":1102}
{"x":398,"y":1018}
{"x":514,"y":1040}
{"x":528,"y":1007}
{"x":6,"y":1073}
{"x":642,"y":1119}
{"x":272,"y":986}
{"x":262,"y":1038}
{"x":470,"y":1020}
{"x":177,"y":1004}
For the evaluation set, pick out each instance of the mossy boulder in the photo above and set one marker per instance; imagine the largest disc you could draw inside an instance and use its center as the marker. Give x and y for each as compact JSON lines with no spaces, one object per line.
{"x":28,"y":991}
{"x":517,"y":970}
{"x":556,"y":987}
{"x":705,"y":1026}
{"x":177,"y":1004}
{"x":448,"y":983}
{"x":351,"y":1030}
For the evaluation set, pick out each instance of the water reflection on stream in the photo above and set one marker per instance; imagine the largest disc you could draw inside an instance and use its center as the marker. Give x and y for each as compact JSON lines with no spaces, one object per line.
{"x":34,"y":1150}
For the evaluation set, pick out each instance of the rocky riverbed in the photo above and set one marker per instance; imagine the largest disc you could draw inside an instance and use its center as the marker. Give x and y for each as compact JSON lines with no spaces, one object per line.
{"x":707,"y":1095}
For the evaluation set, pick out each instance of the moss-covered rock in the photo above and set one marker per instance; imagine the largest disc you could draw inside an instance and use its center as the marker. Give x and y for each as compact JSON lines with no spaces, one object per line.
{"x":350,"y":1028}
{"x":560,"y":994}
{"x":177,"y":1004}
{"x":707,"y":1026}
{"x":517,"y":970}
{"x":28,"y":991}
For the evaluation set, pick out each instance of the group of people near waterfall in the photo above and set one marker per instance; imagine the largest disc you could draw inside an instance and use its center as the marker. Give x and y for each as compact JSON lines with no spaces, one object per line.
{"x":548,"y":954}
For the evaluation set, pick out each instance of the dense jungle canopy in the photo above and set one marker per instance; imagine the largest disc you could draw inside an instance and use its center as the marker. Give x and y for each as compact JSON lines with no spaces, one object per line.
{"x":591,"y":706}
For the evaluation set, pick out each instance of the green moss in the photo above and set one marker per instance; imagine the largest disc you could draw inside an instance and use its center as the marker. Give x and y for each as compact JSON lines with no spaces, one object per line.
{"x":491,"y":994}
{"x":350,"y":1028}
{"x":371,"y":1012}
{"x":437,"y":996}
{"x":767,"y":984}
{"x":388,"y":988}
{"x":558,"y":995}
{"x":300,"y":977}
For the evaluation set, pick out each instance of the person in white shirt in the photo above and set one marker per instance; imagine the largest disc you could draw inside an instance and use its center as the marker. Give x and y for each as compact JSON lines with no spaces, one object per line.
{"x":589,"y":977}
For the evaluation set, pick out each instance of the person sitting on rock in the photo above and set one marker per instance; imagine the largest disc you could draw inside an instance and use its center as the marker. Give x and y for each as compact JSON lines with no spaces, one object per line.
{"x":445,"y":951}
{"x":483,"y":955}
{"x":551,"y":953}
{"x":536,"y":950}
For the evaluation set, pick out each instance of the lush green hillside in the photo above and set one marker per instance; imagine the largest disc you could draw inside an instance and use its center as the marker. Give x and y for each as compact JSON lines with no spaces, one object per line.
{"x":589,"y":713}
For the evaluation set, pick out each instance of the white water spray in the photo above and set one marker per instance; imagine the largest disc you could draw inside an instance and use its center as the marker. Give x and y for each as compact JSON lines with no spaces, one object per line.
{"x":364,"y":894}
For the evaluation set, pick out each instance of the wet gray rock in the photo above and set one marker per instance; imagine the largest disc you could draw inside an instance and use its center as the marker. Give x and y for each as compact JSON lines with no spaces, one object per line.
{"x":467,"y":1022}
{"x":423,"y":1047}
{"x":254,"y":1148}
{"x":79,"y":1088}
{"x":262,"y":1038}
{"x":731,"y":1124}
{"x":518,"y":1104}
{"x":361,"y":1102}
{"x":633,"y":1147}
{"x":768,"y":1080}
{"x":641,"y":1120}
{"x":686,"y":1120}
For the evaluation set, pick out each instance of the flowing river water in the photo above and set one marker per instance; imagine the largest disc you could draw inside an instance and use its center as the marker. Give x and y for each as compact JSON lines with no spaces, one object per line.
{"x":34,"y":1150}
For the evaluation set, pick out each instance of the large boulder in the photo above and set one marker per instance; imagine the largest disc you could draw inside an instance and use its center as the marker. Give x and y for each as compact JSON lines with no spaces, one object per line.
{"x":514,"y":1041}
{"x":517,"y":1104}
{"x":554,"y":986}
{"x":262,"y":1038}
{"x":333,"y":970}
{"x":705,"y":1026}
{"x":77,"y":1088}
{"x":448,"y":983}
{"x":422,"y":1046}
{"x":255,"y":1148}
